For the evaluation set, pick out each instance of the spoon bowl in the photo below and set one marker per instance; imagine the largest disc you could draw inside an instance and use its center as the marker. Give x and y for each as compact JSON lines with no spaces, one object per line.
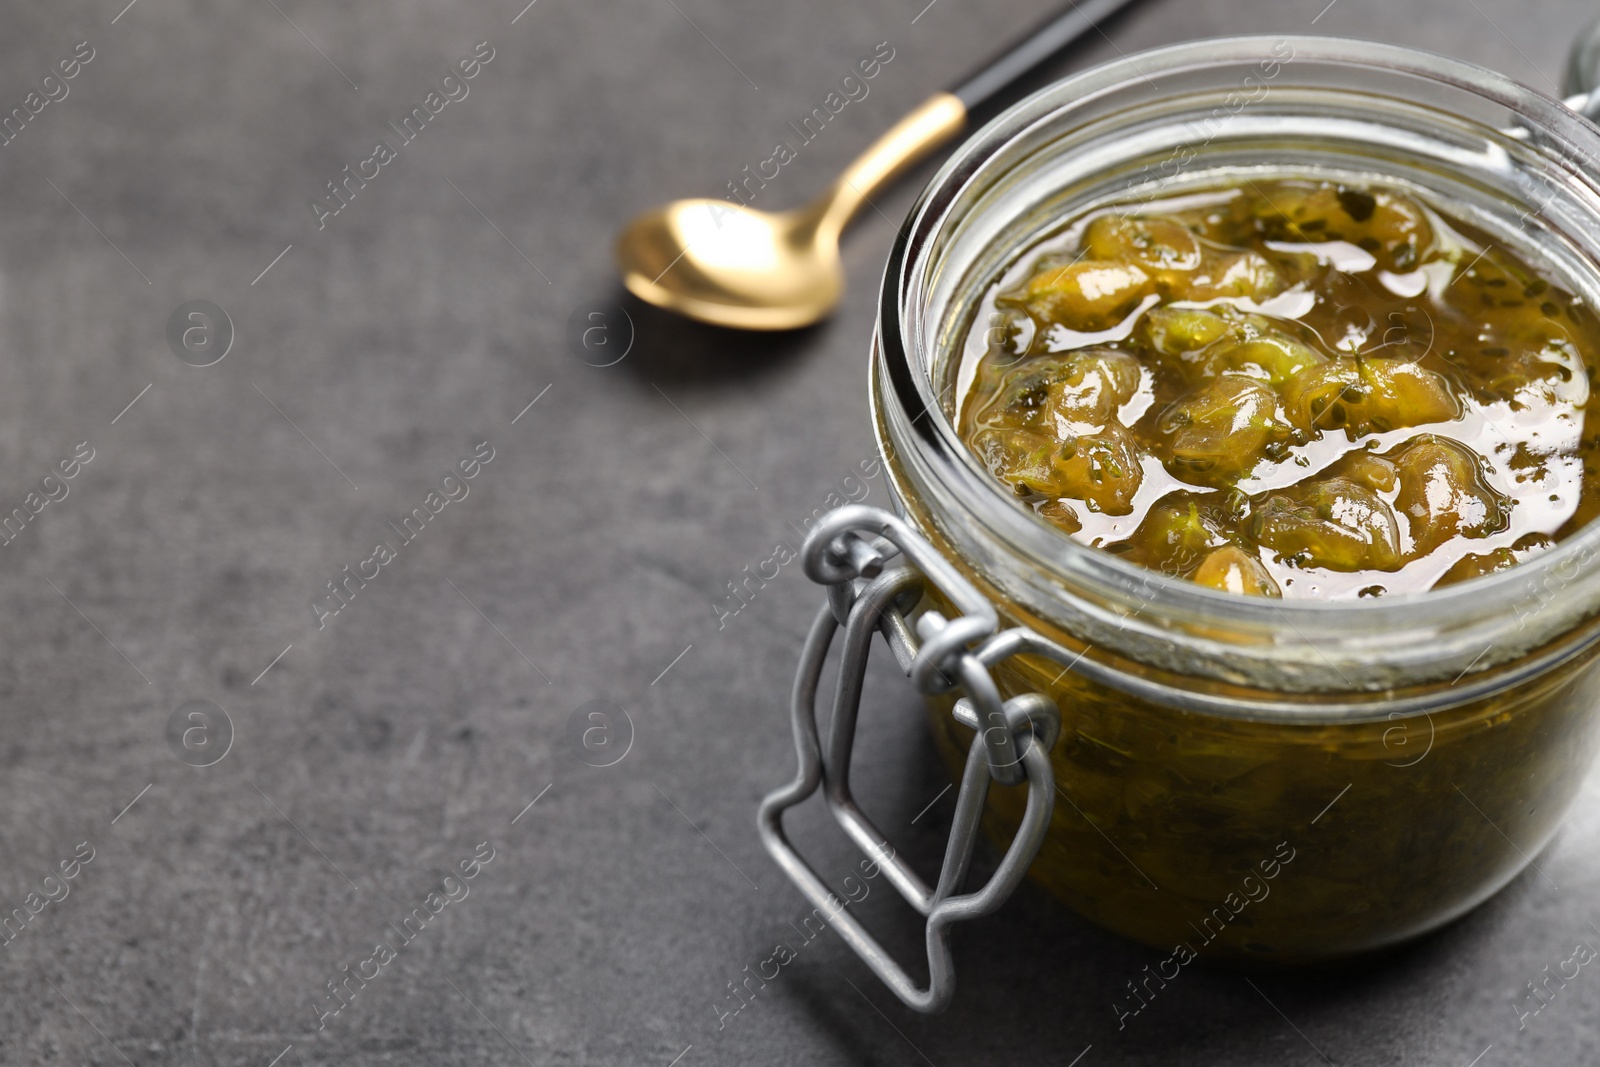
{"x":733,"y":265}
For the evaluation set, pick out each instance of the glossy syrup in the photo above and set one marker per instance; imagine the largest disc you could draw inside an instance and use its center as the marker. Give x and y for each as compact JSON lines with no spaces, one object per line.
{"x":1327,"y":391}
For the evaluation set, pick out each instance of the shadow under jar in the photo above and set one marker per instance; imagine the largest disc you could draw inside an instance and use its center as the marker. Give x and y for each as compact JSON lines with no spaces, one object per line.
{"x":1243,"y":778}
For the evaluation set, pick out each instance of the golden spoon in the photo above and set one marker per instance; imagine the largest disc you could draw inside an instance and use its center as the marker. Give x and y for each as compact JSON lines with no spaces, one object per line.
{"x":734,"y":266}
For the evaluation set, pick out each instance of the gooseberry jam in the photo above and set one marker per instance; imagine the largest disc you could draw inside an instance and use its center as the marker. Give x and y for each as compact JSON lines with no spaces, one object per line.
{"x":1416,"y":750}
{"x":1288,"y":387}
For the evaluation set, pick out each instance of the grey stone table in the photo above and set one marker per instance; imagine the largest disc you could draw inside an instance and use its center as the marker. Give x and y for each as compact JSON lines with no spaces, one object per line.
{"x":170,"y":604}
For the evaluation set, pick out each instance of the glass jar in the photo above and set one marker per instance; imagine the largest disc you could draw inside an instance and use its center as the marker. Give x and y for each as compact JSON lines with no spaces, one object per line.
{"x":1242,"y":778}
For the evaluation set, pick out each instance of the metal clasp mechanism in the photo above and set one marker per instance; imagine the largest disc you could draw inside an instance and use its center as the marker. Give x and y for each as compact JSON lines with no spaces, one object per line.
{"x":850,"y":552}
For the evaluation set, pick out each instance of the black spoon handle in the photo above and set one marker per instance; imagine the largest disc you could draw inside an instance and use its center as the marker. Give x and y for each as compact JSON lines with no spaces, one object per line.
{"x":944,"y":115}
{"x":1033,"y":48}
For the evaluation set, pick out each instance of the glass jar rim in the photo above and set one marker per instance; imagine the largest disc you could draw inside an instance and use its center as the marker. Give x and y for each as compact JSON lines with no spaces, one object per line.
{"x":1471,"y":613}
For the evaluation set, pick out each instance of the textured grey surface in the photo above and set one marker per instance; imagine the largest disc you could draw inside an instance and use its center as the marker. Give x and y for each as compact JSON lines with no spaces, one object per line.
{"x":588,"y":554}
